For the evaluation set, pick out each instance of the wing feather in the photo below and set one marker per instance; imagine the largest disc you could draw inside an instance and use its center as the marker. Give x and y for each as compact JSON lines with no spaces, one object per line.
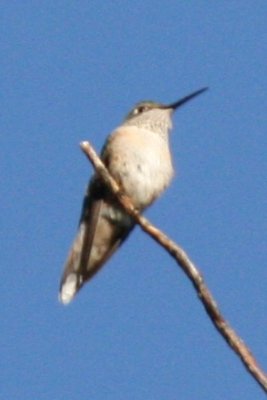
{"x":102,"y":229}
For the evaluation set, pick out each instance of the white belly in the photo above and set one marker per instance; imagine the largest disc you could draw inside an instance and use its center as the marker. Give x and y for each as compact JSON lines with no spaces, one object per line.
{"x":140,"y":161}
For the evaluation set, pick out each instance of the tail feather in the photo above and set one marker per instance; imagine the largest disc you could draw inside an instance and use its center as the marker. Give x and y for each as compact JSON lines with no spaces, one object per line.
{"x":71,"y":280}
{"x":101,"y":231}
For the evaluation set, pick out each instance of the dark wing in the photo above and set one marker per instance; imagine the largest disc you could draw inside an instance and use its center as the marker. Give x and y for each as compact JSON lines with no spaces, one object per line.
{"x":102,"y":229}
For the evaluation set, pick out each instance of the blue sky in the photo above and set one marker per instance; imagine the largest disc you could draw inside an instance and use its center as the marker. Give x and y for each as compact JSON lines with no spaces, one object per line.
{"x":71,"y":71}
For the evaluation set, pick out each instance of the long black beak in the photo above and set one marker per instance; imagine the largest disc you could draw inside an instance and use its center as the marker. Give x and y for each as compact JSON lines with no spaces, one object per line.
{"x":185,"y":99}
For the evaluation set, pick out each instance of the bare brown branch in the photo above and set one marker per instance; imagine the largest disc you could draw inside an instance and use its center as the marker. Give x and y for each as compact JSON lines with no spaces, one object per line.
{"x":191,"y":271}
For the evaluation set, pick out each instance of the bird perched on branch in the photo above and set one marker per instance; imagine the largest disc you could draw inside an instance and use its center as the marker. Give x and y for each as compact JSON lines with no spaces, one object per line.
{"x":137,"y":155}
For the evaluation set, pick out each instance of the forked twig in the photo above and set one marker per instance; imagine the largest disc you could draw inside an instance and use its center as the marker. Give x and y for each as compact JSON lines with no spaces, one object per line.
{"x":191,"y":271}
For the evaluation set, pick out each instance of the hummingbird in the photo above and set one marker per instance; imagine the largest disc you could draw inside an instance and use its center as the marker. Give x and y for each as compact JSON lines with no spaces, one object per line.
{"x":137,"y":155}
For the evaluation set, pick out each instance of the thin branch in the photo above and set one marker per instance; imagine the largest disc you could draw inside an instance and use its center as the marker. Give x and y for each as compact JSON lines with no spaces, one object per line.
{"x":191,"y":271}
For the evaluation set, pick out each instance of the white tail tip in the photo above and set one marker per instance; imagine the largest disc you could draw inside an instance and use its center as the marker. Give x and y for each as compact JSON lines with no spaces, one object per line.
{"x":68,"y":289}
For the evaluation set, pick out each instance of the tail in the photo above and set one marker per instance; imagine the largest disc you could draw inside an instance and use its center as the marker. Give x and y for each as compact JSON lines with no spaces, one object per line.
{"x":72,"y":280}
{"x":103,"y":228}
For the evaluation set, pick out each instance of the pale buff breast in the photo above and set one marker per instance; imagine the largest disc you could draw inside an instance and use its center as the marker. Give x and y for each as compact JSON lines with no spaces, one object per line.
{"x":141,"y":163}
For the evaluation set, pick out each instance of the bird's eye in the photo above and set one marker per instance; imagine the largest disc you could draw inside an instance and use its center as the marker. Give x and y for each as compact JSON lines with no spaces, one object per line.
{"x":140,"y":109}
